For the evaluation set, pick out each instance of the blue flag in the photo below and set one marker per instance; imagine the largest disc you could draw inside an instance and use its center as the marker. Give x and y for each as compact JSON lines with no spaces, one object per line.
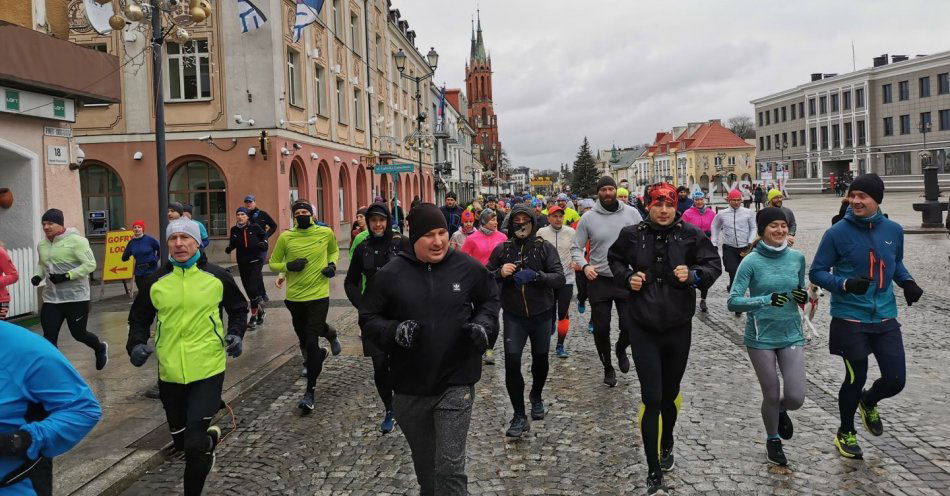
{"x":307,"y":13}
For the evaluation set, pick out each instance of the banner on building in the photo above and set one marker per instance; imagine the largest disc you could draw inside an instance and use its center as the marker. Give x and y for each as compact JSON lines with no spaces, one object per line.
{"x":541,"y":182}
{"x":113,"y":268}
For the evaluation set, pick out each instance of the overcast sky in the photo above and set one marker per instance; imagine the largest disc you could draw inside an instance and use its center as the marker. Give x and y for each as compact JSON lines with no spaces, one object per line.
{"x":619,"y":71}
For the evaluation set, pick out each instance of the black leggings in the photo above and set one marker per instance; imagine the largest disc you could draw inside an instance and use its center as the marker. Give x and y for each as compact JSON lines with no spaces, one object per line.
{"x":189,"y":409}
{"x":518,"y":331}
{"x":563,"y":296}
{"x":75,"y":313}
{"x":383,"y":379}
{"x":892,"y":380}
{"x":731,"y":257}
{"x":600,"y":317}
{"x":660,"y":359}
{"x":580,"y":280}
{"x":309,"y":319}
{"x":253,"y":282}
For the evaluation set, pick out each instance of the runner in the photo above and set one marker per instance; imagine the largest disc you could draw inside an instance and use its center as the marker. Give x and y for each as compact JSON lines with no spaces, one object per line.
{"x":479,"y":244}
{"x":774,"y":275}
{"x":856,"y":261}
{"x":435,"y":347}
{"x":702,"y":217}
{"x":308,"y":253}
{"x":735,"y":225}
{"x":188,"y":213}
{"x":570,"y":214}
{"x":187,"y":297}
{"x":684,"y":201}
{"x":250,"y":241}
{"x":658,"y":263}
{"x":775,"y":199}
{"x":468,"y":227}
{"x":66,"y":260}
{"x":145,"y":249}
{"x":600,"y":226}
{"x":359,"y":224}
{"x":561,"y":237}
{"x":366,"y":259}
{"x":8,"y":277}
{"x":259,"y":216}
{"x":452,"y":212}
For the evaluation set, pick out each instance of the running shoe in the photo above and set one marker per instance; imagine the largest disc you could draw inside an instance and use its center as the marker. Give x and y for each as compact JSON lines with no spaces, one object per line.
{"x":581,"y":307}
{"x":655,"y":485}
{"x":306,"y":403}
{"x":870,"y":417}
{"x":785,"y":427}
{"x":389,"y":422}
{"x":774,"y":453}
{"x":847,"y":444}
{"x":702,"y":306}
{"x":590,"y":327}
{"x":260,"y":316}
{"x":622,"y":361}
{"x":489,"y":357}
{"x":537,"y":409}
{"x":610,"y":377}
{"x":153,"y":392}
{"x":102,"y":356}
{"x":335,"y":346}
{"x":214,"y":432}
{"x":667,"y":462}
{"x":561,"y":352}
{"x":519,"y":425}
{"x":252,"y":322}
{"x":303,"y":371}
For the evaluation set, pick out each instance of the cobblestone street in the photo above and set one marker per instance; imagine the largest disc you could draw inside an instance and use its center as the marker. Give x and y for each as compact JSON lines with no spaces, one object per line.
{"x":589,"y":444}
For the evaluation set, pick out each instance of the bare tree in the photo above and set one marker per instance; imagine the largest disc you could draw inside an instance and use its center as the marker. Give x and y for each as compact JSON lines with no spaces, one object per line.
{"x":742,"y":126}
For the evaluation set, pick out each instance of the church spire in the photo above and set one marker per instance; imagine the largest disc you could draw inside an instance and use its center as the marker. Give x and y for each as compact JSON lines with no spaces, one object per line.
{"x":479,"y":42}
{"x":472,"y":54}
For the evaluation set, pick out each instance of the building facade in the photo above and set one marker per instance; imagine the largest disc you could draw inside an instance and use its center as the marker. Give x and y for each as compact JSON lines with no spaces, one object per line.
{"x":457,"y":169}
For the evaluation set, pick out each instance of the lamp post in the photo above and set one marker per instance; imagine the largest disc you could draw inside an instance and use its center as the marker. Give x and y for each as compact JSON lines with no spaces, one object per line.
{"x":432,"y":59}
{"x":781,"y":148}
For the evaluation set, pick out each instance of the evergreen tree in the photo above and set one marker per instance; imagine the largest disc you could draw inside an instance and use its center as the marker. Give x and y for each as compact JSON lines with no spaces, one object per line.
{"x":585,"y":174}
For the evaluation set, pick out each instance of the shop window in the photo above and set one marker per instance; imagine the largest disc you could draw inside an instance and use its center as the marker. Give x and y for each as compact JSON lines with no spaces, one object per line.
{"x":202,"y":185}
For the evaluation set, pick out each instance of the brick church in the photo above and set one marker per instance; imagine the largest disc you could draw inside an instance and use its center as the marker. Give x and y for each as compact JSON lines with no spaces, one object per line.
{"x":481,"y":112}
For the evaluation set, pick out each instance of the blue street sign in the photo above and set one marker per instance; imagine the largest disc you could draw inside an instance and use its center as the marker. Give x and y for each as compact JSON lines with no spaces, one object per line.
{"x":393,"y":168}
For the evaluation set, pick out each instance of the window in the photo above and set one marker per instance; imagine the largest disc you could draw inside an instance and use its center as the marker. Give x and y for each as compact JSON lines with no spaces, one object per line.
{"x":811,"y":106}
{"x":924,"y":86}
{"x":337,"y":19}
{"x":357,"y":108}
{"x":801,"y":137}
{"x":189,"y":71}
{"x":848,"y":139}
{"x":888,"y":126}
{"x":834,"y":102}
{"x":341,"y":101}
{"x":862,"y":134}
{"x":859,"y":98}
{"x":835,"y":136}
{"x":777,"y":142}
{"x":945,"y":120}
{"x":784,"y":114}
{"x":397,"y":127}
{"x":903,"y":90}
{"x":846,"y":100}
{"x":905,"y":124}
{"x":792,"y":107}
{"x":824,"y":137}
{"x":794,"y":137}
{"x":202,"y":185}
{"x":886,"y":93}
{"x":801,"y":109}
{"x":293,"y":78}
{"x":813,"y":134}
{"x":101,"y":190}
{"x":320,"y":83}
{"x":380,"y":58}
{"x":775,"y":114}
{"x":294,"y":184}
{"x":897,"y":163}
{"x":785,"y":138}
{"x":99,"y":47}
{"x":943,"y":81}
{"x":768,"y":117}
{"x":355,"y":34}
{"x":760,"y":119}
{"x":823,"y":104}
{"x":768,"y":142}
{"x":925,"y":121}
{"x":761,"y":143}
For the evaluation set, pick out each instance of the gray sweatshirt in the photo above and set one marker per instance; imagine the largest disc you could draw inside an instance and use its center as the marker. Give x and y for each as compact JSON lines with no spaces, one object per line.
{"x":601,"y":227}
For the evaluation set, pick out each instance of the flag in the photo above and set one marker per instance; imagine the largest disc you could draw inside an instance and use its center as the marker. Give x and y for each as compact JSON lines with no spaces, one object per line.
{"x":440,"y":121}
{"x":251,"y":17}
{"x":307,"y":13}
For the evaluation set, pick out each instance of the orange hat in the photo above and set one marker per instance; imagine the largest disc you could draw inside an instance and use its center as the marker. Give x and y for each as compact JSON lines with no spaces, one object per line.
{"x":468,"y":216}
{"x":662,"y":192}
{"x":554,"y":209}
{"x":734,"y":195}
{"x":139,"y":223}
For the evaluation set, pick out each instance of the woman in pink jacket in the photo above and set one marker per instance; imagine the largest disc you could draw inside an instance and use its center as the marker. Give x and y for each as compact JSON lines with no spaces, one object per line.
{"x":702,"y":217}
{"x":8,"y":276}
{"x":481,"y":243}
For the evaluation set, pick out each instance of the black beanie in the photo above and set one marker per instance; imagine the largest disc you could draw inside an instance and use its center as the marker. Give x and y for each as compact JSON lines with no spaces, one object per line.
{"x":871,"y":184}
{"x":606,"y":181}
{"x":767,"y":216}
{"x":423,"y":218}
{"x":452,"y":195}
{"x":55,"y":216}
{"x":178,"y":207}
{"x":301,"y":204}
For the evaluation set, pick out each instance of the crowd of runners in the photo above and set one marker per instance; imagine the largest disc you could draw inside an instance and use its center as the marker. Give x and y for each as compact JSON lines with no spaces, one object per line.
{"x":434,"y":289}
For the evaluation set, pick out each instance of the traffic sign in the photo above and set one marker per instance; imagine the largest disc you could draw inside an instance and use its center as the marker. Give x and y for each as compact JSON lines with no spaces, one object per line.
{"x":113,"y":268}
{"x":393,"y":168}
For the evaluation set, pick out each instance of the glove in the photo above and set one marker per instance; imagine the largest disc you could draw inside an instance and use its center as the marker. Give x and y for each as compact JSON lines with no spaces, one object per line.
{"x":779,"y":299}
{"x":229,"y":249}
{"x":479,"y":336}
{"x":857,"y":285}
{"x":297,"y":265}
{"x":140,"y":354}
{"x":406,"y":334}
{"x":262,"y":245}
{"x":912,"y":291}
{"x":58,"y":278}
{"x":800,"y":296}
{"x":524,"y":276}
{"x":235,"y":345}
{"x":15,"y":443}
{"x":36,"y":280}
{"x":329,"y":271}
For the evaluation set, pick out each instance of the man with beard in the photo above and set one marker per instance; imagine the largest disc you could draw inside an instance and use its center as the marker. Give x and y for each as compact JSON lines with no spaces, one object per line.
{"x":452,"y":212}
{"x":775,"y":199}
{"x":600,"y":226}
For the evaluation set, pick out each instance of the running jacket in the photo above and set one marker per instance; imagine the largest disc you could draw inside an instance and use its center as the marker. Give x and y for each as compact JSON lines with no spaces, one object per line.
{"x":479,"y":246}
{"x":318,"y":245}
{"x":861,"y":247}
{"x":368,"y":255}
{"x":736,"y":227}
{"x":33,"y":371}
{"x":702,"y":220}
{"x":145,"y":251}
{"x":245,"y":240}
{"x":601,"y":227}
{"x":189,"y":335}
{"x":765,"y":271}
{"x":561,"y":239}
{"x":442,"y":297}
{"x":264,"y":220}
{"x":663,"y":302}
{"x":69,"y":252}
{"x":8,"y":275}
{"x":453,"y":217}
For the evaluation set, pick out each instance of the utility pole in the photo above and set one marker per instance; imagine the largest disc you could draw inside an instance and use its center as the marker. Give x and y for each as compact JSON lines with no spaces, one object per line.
{"x":159,"y":91}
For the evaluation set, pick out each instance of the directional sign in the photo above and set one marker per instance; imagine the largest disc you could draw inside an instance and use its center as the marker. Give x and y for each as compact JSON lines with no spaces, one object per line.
{"x":393,"y":168}
{"x":113,"y":268}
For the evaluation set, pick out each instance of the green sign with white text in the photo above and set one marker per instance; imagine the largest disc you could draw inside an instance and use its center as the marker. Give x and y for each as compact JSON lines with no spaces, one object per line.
{"x":59,"y":108}
{"x":12,"y":100}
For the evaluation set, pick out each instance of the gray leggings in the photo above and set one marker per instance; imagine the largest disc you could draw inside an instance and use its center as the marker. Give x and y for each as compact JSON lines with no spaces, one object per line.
{"x":791,"y":362}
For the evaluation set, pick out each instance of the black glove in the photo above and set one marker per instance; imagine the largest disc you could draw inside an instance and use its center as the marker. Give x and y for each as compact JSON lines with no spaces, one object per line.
{"x":407,"y":333}
{"x":58,"y":278}
{"x":36,"y":280}
{"x":800,"y":296}
{"x":140,"y":354}
{"x":296,"y":265}
{"x":479,"y":336}
{"x":779,"y":299}
{"x":262,"y":245}
{"x":235,"y":345}
{"x":329,"y":271}
{"x":857,"y":285}
{"x":912,"y":291}
{"x":229,"y":249}
{"x":15,"y":443}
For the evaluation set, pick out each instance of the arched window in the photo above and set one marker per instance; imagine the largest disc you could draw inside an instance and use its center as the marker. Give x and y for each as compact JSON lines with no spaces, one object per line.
{"x":485,"y":116}
{"x":294,"y":183}
{"x":344,"y":196}
{"x":319,"y":203}
{"x":101,"y":191}
{"x":202,"y":185}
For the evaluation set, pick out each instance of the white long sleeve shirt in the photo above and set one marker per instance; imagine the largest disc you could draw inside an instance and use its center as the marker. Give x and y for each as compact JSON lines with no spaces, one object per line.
{"x":736,"y":227}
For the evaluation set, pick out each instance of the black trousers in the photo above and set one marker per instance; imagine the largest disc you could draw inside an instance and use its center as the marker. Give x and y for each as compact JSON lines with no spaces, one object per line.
{"x":75,"y":313}
{"x":253,"y":281}
{"x":309,"y":319}
{"x":189,"y":409}
{"x":603,"y":295}
{"x":581,"y":282}
{"x":731,"y":257}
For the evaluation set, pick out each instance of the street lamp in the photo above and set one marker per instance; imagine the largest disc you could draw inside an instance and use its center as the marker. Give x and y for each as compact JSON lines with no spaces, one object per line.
{"x":432,"y":58}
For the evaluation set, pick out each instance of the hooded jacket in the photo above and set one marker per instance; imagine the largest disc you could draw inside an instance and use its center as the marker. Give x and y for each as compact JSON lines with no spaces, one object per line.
{"x":861,"y":247}
{"x":663,"y":302}
{"x":245,"y":240}
{"x":68,"y":253}
{"x":601,"y":227}
{"x":318,"y":245}
{"x":370,"y":255}
{"x":533,"y":253}
{"x":736,"y":226}
{"x":441,"y":297}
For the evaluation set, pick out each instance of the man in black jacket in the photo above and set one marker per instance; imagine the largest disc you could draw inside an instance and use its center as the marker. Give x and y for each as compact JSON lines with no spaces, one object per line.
{"x":250,"y":241}
{"x":434,"y":311}
{"x":661,"y":262}
{"x":452,"y":212}
{"x":260,"y":217}
{"x":528,"y":269}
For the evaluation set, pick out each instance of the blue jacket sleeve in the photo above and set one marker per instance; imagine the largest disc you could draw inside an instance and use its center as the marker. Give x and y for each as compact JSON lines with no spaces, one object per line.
{"x":901,"y":274}
{"x":156,"y":249}
{"x":127,"y":252}
{"x":204,"y":235}
{"x":825,"y":258}
{"x":738,"y":301}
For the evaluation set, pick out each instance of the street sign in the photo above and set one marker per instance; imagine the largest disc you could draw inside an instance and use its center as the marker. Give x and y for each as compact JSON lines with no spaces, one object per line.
{"x":393,"y":168}
{"x":113,"y":268}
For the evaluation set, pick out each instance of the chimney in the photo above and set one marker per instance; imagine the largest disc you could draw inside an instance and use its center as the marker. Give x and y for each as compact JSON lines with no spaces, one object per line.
{"x":816,"y":76}
{"x":898,"y":58}
{"x":828,"y":76}
{"x":879,"y":61}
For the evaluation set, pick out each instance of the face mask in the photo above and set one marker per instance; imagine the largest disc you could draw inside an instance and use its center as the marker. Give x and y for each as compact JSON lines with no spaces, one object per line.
{"x":523,"y":230}
{"x":303,"y":221}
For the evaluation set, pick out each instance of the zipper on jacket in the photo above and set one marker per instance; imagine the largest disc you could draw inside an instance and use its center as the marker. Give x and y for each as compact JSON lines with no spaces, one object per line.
{"x":158,"y":333}
{"x":214,"y":327}
{"x":524,"y":297}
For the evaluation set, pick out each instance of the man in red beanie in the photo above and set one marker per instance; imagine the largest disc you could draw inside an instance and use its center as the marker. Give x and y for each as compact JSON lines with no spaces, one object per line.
{"x":736,"y":227}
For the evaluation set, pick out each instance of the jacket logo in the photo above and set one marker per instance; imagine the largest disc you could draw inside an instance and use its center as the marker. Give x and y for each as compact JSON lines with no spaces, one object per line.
{"x":889,"y":242}
{"x":456,"y":287}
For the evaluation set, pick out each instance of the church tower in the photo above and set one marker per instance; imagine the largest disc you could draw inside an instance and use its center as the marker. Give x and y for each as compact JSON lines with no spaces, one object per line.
{"x":481,"y":112}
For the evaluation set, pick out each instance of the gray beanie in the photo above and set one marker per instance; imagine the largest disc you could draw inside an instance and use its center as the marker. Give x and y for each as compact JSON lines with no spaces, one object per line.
{"x":485,"y":216}
{"x":184,"y":226}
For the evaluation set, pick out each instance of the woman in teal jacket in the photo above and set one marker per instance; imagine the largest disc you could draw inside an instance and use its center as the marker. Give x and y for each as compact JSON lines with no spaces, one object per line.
{"x":774,"y":275}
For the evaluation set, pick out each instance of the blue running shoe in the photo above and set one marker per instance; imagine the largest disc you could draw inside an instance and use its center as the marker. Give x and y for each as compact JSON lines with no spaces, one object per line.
{"x":560,"y":351}
{"x":581,"y":307}
{"x":389,"y":423}
{"x":590,"y":327}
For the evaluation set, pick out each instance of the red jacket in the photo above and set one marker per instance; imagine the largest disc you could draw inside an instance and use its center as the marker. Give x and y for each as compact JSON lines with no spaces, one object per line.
{"x":8,"y":275}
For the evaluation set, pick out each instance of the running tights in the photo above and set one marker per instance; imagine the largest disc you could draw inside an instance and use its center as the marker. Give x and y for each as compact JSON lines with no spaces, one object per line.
{"x":514,"y":381}
{"x":383,"y":379}
{"x":600,"y":317}
{"x":189,"y":409}
{"x":891,"y":382}
{"x":76,"y":314}
{"x":562,"y":323}
{"x":791,"y":362}
{"x":309,"y":319}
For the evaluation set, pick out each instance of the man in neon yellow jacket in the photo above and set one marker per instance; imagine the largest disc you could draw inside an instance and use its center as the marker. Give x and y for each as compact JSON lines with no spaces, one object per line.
{"x":187,"y":296}
{"x":308,"y":253}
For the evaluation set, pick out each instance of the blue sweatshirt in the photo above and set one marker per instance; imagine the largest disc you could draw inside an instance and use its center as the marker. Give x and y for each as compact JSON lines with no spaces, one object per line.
{"x":145,"y":251}
{"x":861,"y":247}
{"x":33,"y":371}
